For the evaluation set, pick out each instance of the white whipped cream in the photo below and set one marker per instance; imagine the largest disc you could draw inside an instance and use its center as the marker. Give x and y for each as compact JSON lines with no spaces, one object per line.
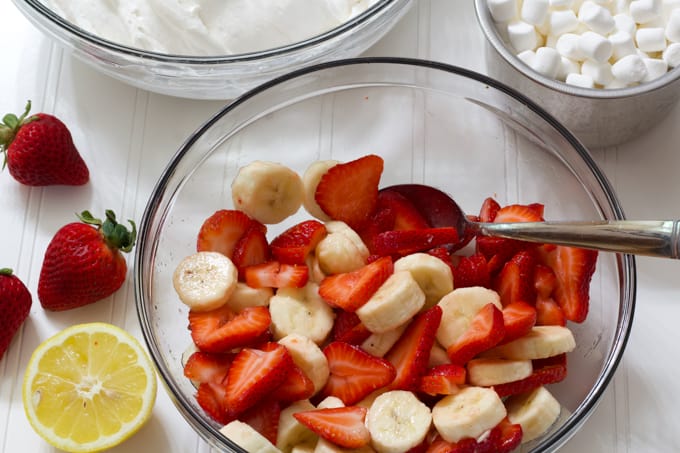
{"x":207,"y":27}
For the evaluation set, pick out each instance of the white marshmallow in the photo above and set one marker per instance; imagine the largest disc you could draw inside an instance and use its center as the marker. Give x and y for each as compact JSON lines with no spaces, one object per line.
{"x":567,"y":67}
{"x":527,"y":57}
{"x":598,"y":18}
{"x":546,"y":62}
{"x":561,"y":4}
{"x":568,"y":46}
{"x":534,"y":12}
{"x":621,"y":6}
{"x":668,"y":6}
{"x":622,"y":44}
{"x":656,"y":67}
{"x":561,"y":22}
{"x":672,"y":30}
{"x":580,"y":80}
{"x":522,"y":36}
{"x":616,"y":83}
{"x":643,"y":11}
{"x":502,"y":10}
{"x":672,"y":55}
{"x":629,"y":69}
{"x":601,"y":73}
{"x":650,"y":39}
{"x":594,"y":46}
{"x":623,"y":22}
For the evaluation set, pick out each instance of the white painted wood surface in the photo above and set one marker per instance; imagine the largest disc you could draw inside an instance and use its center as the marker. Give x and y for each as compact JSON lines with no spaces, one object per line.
{"x":127,"y":136}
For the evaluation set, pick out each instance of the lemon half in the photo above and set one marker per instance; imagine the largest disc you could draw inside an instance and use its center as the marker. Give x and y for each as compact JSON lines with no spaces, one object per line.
{"x":89,"y":387}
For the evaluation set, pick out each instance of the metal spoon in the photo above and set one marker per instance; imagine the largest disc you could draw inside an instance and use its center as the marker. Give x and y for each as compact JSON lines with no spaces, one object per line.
{"x":658,"y":238}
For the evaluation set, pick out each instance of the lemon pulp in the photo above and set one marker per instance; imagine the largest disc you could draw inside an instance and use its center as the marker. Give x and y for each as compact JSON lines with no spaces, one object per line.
{"x":89,"y":387}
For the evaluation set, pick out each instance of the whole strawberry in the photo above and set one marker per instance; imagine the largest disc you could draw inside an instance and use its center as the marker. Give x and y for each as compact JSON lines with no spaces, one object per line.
{"x":15,"y":304}
{"x":39,"y":150}
{"x":83,"y":262}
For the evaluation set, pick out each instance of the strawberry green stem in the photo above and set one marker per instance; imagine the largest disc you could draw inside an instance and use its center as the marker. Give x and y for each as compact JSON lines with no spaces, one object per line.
{"x":6,"y":271}
{"x":115,"y":235}
{"x":10,"y":126}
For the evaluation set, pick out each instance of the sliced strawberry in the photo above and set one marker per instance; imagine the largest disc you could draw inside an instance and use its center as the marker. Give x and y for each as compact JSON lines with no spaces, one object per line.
{"x":349,"y":328}
{"x":498,"y":251}
{"x":273,"y":274}
{"x":545,"y":372}
{"x":485,"y":331}
{"x":471,"y":270}
{"x":254,"y":374}
{"x":212,"y":399}
{"x":411,"y":353}
{"x":489,"y":209}
{"x":549,"y":313}
{"x":405,"y":242}
{"x":519,"y":213}
{"x":343,"y":426}
{"x":221,"y":231}
{"x":515,"y":282}
{"x":379,"y":221}
{"x":206,"y":367}
{"x":443,"y":254}
{"x":545,"y":281}
{"x":503,"y":438}
{"x":518,"y":319}
{"x":439,"y":445}
{"x":574,"y":268}
{"x":354,"y":373}
{"x":264,"y":418}
{"x":252,"y":248}
{"x":296,"y":386}
{"x":349,"y":191}
{"x":406,"y":215}
{"x":443,"y":379}
{"x":351,"y":290}
{"x":222,"y":329}
{"x":293,"y":245}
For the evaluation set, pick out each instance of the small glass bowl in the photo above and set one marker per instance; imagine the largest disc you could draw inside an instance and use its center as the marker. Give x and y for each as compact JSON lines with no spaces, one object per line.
{"x":432,"y":123}
{"x":220,"y":76}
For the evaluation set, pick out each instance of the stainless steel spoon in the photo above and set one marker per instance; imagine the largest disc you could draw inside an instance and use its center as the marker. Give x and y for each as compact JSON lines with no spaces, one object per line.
{"x":658,"y":238}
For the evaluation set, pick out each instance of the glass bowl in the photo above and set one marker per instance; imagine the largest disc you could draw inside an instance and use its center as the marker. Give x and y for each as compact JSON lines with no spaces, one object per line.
{"x":214,"y":77}
{"x":432,"y":123}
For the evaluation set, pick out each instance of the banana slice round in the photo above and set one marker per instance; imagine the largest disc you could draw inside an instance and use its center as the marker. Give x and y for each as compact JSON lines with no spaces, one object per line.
{"x":310,"y":180}
{"x":204,"y":281}
{"x":301,"y":311}
{"x":433,"y":275}
{"x":535,"y":411}
{"x":247,"y":437}
{"x":541,"y":342}
{"x":397,"y":421}
{"x":247,"y":296}
{"x":342,"y":250}
{"x":488,"y":372}
{"x":267,"y":191}
{"x":469,"y":413}
{"x":290,"y":431}
{"x":459,"y":307}
{"x":309,"y":357}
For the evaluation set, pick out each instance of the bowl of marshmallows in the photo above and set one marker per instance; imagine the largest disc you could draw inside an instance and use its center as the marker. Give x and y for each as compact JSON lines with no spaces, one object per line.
{"x":608,"y":69}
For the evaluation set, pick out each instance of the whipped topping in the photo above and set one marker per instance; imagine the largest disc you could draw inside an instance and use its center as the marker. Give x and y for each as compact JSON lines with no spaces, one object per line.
{"x":207,"y":27}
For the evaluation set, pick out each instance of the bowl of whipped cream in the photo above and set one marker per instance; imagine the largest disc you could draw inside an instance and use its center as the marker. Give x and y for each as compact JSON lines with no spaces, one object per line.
{"x":211,"y":49}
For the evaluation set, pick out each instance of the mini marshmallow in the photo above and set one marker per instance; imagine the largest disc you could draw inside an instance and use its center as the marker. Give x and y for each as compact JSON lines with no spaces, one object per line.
{"x":622,"y":44}
{"x":567,"y":67}
{"x":672,"y":55}
{"x":568,"y":46}
{"x":547,"y":62}
{"x":630,"y":69}
{"x":643,"y":11}
{"x":594,"y":46}
{"x":527,"y":57}
{"x":534,"y":12}
{"x":580,"y":80}
{"x":621,"y":6}
{"x":623,"y":22}
{"x":672,"y":30}
{"x":522,"y":36}
{"x":668,"y":6}
{"x":502,"y":10}
{"x":598,"y":18}
{"x":650,"y":39}
{"x":616,"y":84}
{"x":561,"y":22}
{"x":601,"y":73}
{"x":656,"y":67}
{"x":561,"y":4}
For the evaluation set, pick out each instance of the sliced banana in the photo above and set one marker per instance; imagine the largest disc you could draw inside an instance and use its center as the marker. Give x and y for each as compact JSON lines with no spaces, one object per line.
{"x":305,"y":447}
{"x":310,"y":180}
{"x":291,"y":432}
{"x":488,"y":372}
{"x":302,"y":311}
{"x":378,"y":344}
{"x":324,"y":446}
{"x":247,"y":437}
{"x":397,"y":300}
{"x":342,"y":250}
{"x":535,"y":411}
{"x":397,"y":421}
{"x":469,"y":413}
{"x":433,"y":275}
{"x":330,"y":402}
{"x":541,"y":342}
{"x":316,"y":275}
{"x":247,"y":296}
{"x":438,"y":356}
{"x":267,"y":191}
{"x":459,"y":307}
{"x":309,"y":357}
{"x":204,"y":281}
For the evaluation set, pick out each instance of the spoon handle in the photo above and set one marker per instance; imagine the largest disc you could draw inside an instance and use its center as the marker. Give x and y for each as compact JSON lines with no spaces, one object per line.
{"x":659,"y":238}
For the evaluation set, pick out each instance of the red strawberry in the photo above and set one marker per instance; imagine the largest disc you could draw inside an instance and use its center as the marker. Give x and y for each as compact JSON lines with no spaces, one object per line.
{"x":498,"y":251}
{"x":546,"y":371}
{"x":544,"y":281}
{"x":439,"y":445}
{"x":519,"y":213}
{"x":574,"y":268}
{"x":212,"y":399}
{"x":549,"y":313}
{"x":406,"y":215}
{"x":251,"y":249}
{"x":222,"y":329}
{"x":518,"y":319}
{"x":489,"y":209}
{"x":348,"y":328}
{"x":273,"y":274}
{"x":443,"y":254}
{"x":83,"y":262}
{"x":354,"y":373}
{"x":296,"y":386}
{"x":293,"y":245}
{"x":343,"y":426}
{"x":486,"y":331}
{"x":222,"y":230}
{"x":39,"y":150}
{"x":254,"y":374}
{"x":471,"y":270}
{"x":351,"y":290}
{"x":443,"y":379}
{"x":15,"y":305}
{"x":515,"y":282}
{"x":349,"y":191}
{"x":264,"y":418}
{"x":206,"y":367}
{"x":405,"y":242}
{"x":503,"y":438}
{"x":411,"y":353}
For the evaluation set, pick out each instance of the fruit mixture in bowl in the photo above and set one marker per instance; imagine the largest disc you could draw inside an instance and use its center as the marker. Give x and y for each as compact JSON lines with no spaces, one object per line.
{"x":342,"y":317}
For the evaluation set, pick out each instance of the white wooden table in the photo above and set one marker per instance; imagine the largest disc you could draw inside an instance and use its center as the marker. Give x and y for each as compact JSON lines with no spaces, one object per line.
{"x":127,"y":136}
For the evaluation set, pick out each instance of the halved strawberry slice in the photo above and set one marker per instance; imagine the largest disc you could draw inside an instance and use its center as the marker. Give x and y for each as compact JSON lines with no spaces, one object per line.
{"x":411,"y":353}
{"x":405,"y":242}
{"x":471,"y":270}
{"x":252,"y":248}
{"x":349,"y":328}
{"x":296,"y":386}
{"x":212,"y":399}
{"x":264,"y":418}
{"x":206,"y":367}
{"x":574,"y":269}
{"x":546,"y":371}
{"x":544,"y":281}
{"x":519,"y":213}
{"x":515,"y":282}
{"x":351,"y":290}
{"x":354,"y":373}
{"x":349,"y":191}
{"x":439,"y":445}
{"x":498,"y":251}
{"x":485,"y":331}
{"x":254,"y":374}
{"x":443,"y":379}
{"x":221,"y":231}
{"x":273,"y":274}
{"x":222,"y":330}
{"x":293,"y":245}
{"x":549,"y":313}
{"x":406,"y":215}
{"x":503,"y":438}
{"x":489,"y":209}
{"x":343,"y":426}
{"x":518,"y":319}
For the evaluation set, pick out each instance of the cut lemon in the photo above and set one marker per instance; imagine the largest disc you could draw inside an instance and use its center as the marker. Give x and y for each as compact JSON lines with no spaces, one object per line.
{"x":89,"y":387}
